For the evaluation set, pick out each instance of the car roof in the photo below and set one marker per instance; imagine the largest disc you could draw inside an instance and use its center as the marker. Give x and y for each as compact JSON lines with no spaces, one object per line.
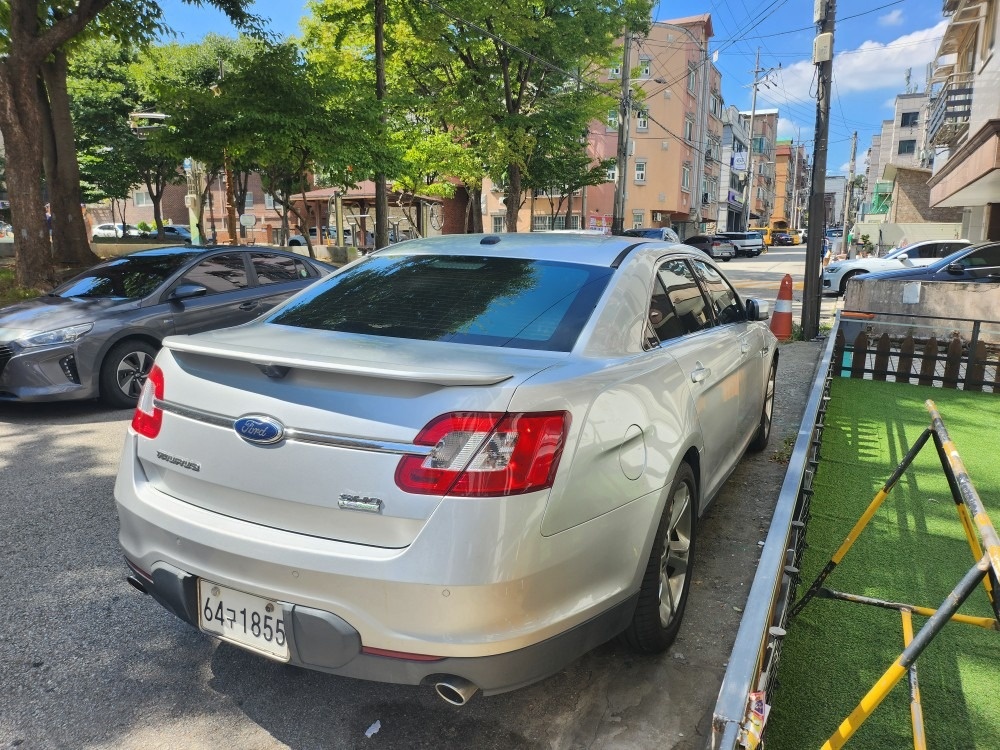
{"x":572,"y":247}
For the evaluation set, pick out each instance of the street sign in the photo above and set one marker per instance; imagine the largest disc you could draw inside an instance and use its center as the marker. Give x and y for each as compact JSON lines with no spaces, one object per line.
{"x":247,"y":220}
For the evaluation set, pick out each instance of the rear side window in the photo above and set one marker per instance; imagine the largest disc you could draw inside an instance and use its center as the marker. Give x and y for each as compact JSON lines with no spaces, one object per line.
{"x":275,"y":269}
{"x":503,"y":302}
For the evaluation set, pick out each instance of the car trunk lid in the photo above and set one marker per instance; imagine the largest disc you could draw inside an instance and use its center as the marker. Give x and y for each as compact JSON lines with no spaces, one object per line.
{"x":349,"y":407}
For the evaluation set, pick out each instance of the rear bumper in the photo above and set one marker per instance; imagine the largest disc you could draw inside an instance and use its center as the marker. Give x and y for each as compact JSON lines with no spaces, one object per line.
{"x":325,"y":642}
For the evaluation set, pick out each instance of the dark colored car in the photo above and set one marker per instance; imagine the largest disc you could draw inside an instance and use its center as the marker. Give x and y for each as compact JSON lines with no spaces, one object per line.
{"x":714,"y":245}
{"x":977,"y":263}
{"x":655,"y":233}
{"x":783,"y":239}
{"x":97,"y":334}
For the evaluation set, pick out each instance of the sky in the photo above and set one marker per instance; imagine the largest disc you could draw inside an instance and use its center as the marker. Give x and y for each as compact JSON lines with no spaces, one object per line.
{"x":876,"y":42}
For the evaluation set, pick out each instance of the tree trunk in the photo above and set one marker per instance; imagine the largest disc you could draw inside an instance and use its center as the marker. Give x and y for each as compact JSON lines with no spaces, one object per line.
{"x":513,"y":196}
{"x":477,"y":213}
{"x":62,"y":172}
{"x":21,"y":114}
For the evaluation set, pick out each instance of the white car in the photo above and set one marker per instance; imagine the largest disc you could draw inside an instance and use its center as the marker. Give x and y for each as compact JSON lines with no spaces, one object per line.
{"x":460,"y":462}
{"x":837,"y":274}
{"x":115,"y":230}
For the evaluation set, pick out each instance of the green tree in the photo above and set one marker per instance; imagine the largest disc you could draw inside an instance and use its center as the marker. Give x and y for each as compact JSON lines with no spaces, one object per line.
{"x":497,"y":71}
{"x":36,"y":38}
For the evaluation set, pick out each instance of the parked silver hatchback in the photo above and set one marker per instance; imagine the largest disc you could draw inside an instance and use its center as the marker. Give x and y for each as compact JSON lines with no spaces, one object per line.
{"x":461,"y":461}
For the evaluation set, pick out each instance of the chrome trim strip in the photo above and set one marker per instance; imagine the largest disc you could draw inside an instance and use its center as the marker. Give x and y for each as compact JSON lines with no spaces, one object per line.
{"x":300,"y":436}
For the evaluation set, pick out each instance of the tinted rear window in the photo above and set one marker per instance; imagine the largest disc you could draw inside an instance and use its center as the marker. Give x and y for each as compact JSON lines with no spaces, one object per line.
{"x":506,"y":302}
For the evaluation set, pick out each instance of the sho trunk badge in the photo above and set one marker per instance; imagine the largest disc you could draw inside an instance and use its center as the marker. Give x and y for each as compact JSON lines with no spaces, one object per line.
{"x":259,"y":429}
{"x":357,"y":502}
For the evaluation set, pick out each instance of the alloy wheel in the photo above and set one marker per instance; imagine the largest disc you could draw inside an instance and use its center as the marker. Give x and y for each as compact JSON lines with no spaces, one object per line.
{"x":132,"y":371}
{"x":676,"y":553}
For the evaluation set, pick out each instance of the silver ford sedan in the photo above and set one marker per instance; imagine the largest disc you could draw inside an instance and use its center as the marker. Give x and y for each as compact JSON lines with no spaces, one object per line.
{"x":460,"y":462}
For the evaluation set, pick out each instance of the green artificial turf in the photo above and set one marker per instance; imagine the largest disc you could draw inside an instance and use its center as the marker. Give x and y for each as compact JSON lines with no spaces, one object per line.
{"x":913,"y":551}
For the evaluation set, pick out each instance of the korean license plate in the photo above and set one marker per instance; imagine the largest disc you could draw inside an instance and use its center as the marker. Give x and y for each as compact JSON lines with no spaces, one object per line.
{"x":250,"y":621}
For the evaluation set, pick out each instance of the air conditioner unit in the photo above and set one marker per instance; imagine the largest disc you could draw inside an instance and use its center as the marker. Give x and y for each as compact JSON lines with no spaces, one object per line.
{"x":657,"y":216}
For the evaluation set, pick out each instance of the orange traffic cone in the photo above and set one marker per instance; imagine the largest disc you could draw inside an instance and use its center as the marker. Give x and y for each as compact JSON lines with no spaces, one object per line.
{"x":781,"y":320}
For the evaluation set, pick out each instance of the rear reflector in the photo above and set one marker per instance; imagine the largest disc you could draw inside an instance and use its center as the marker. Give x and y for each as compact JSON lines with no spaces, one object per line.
{"x":486,"y":454}
{"x":398,"y":654}
{"x":148,"y":418}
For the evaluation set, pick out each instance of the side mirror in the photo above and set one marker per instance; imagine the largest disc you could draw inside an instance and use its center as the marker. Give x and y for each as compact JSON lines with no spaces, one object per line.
{"x":187,"y":291}
{"x":903,"y":257}
{"x":758,"y":309}
{"x":956,"y":269}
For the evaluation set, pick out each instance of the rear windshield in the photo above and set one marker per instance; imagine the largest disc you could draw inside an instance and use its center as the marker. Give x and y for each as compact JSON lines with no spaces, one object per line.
{"x":506,"y":302}
{"x":131,"y":277}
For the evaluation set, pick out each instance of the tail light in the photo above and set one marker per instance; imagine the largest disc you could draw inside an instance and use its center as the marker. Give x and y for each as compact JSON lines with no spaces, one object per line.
{"x":486,"y":454}
{"x":148,"y":418}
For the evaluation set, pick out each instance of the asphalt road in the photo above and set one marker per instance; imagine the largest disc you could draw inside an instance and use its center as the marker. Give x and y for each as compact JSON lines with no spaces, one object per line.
{"x":89,"y":662}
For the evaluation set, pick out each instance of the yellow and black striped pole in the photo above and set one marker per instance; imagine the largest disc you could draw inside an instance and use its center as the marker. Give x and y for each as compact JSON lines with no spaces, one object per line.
{"x":866,"y":517}
{"x":895,"y":672}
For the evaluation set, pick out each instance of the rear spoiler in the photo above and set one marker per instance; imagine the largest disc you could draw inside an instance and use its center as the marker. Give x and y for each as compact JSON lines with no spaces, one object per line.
{"x":277,"y":365}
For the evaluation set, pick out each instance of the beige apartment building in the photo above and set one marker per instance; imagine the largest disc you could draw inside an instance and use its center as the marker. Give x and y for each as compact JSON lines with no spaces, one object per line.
{"x":790,"y":176}
{"x":964,"y":124}
{"x":764,"y":140}
{"x":675,"y":142}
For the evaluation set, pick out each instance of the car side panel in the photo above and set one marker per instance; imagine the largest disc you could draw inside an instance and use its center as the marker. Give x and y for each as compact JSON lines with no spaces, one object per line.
{"x":632,"y":433}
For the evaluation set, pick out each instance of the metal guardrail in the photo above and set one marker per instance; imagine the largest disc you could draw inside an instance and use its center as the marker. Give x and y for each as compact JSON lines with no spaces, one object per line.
{"x":755,"y":653}
{"x":951,"y":110}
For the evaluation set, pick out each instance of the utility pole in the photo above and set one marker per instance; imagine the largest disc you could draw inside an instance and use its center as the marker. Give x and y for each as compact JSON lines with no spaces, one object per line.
{"x":824,"y":16}
{"x":381,"y":194}
{"x":624,"y":121}
{"x":702,"y":143}
{"x":753,"y":111}
{"x":849,"y":198}
{"x":793,"y":217}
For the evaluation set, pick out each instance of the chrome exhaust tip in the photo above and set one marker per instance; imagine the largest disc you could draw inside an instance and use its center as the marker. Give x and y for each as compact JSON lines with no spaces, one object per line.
{"x":137,"y":584}
{"x":455,"y":690}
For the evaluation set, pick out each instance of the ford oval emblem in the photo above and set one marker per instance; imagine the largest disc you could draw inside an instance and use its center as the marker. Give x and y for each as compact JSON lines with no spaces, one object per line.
{"x":259,"y":430}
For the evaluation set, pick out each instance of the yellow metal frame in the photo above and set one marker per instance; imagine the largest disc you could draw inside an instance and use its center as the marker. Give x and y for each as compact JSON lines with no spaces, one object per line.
{"x":972,"y":516}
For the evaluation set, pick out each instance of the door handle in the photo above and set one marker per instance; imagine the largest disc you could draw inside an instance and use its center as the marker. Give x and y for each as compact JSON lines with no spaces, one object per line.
{"x":700,"y":373}
{"x":249,"y":305}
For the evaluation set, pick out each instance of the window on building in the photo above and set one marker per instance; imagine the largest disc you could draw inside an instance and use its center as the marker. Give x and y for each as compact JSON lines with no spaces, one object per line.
{"x":640,"y":171}
{"x":688,"y":130}
{"x":612,"y":118}
{"x":990,"y":28}
{"x":686,"y":177}
{"x":541,"y":223}
{"x":642,"y":120}
{"x":907,"y":147}
{"x":268,"y":201}
{"x":612,"y":174}
{"x":615,"y":72}
{"x":908,"y":119}
{"x":759,"y":145}
{"x":692,"y":78}
{"x":716,"y":105}
{"x":499,"y":224}
{"x":644,"y":67}
{"x":141,"y":198}
{"x":248,"y":203}
{"x":637,"y":218}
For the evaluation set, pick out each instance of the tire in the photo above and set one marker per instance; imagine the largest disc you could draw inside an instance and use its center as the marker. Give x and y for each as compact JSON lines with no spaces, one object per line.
{"x":124,"y":371}
{"x":726,"y":260}
{"x":847,"y":277}
{"x":667,"y":580}
{"x":763,"y":433}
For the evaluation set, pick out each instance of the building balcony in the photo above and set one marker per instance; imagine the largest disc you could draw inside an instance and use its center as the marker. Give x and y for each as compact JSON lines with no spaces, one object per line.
{"x":950,"y":110}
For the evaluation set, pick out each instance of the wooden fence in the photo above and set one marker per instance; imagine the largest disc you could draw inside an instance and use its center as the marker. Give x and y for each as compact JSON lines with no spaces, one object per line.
{"x":943,"y":363}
